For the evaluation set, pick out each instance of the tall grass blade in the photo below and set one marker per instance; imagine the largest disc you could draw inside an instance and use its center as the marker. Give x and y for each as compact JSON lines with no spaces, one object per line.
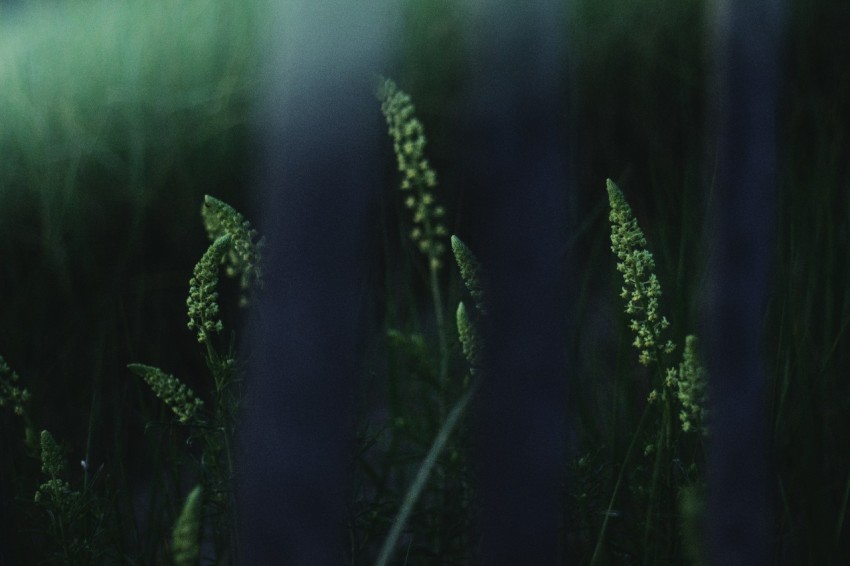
{"x":422,"y":476}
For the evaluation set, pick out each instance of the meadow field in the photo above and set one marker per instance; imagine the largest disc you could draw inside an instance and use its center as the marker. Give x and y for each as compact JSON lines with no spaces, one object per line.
{"x":118,"y":118}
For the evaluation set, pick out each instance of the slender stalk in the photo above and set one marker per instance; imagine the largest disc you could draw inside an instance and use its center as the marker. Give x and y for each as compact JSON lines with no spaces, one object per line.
{"x":422,"y":476}
{"x":629,"y":453}
{"x":442,"y":342}
{"x":663,"y":453}
{"x":443,"y":400}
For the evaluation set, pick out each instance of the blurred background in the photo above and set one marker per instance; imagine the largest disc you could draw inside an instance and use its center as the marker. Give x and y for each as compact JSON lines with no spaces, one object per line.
{"x":117,"y":117}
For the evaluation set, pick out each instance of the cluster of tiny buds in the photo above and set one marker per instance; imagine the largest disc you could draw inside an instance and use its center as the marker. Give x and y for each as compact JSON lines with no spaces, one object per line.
{"x":418,"y":178}
{"x":56,"y":492}
{"x":174,"y":393}
{"x":202,"y":302}
{"x":10,"y":393}
{"x":642,"y":289}
{"x":244,"y":256}
{"x":470,"y":272}
{"x":692,"y":391}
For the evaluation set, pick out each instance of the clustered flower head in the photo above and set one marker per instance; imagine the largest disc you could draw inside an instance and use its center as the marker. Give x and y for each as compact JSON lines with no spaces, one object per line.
{"x":173,"y":392}
{"x":418,"y":178}
{"x":641,"y":287}
{"x":55,"y":493}
{"x":52,"y":462}
{"x":202,"y":302}
{"x":692,"y":388}
{"x":10,"y":393}
{"x":244,"y":256}
{"x":470,"y":272}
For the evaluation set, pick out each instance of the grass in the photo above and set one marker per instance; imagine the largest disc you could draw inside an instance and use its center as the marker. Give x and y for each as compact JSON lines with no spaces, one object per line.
{"x":111,"y":138}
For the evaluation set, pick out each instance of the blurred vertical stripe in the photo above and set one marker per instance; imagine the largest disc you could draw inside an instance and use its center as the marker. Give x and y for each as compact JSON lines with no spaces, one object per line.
{"x":516,"y":157}
{"x":747,"y":41}
{"x":318,"y":188}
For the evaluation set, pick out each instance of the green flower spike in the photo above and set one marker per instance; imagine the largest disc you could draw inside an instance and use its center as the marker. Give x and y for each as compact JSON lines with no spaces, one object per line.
{"x":173,"y":392}
{"x":10,"y":393}
{"x":244,"y":257}
{"x":642,"y":288}
{"x":55,"y":493}
{"x":470,"y":271}
{"x":52,"y":462}
{"x":186,"y":547}
{"x":203,"y":308}
{"x":418,"y":177}
{"x":469,"y":339}
{"x":692,"y":388}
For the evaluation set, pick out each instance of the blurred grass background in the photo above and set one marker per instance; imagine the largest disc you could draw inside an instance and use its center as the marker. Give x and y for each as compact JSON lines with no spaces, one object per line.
{"x":116,"y":117}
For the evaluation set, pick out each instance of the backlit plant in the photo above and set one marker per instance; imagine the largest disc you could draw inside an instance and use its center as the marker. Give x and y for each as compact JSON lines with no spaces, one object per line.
{"x":418,"y":179}
{"x":678,"y":392}
{"x":235,"y":243}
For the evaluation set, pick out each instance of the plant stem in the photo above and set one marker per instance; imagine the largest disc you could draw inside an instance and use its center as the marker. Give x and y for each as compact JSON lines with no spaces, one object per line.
{"x":436,"y":296}
{"x":629,"y":452}
{"x":419,"y":483}
{"x":663,"y":453}
{"x":443,"y":382}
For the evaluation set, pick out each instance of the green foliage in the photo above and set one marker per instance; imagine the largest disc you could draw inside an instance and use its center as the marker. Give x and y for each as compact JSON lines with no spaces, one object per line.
{"x":203,"y":297}
{"x":55,"y":494}
{"x":173,"y":392}
{"x":677,"y":391}
{"x":422,"y":484}
{"x":151,"y":100}
{"x":692,"y":510}
{"x":186,"y":537}
{"x":469,"y":338}
{"x":418,"y":178}
{"x":116,"y":119}
{"x":470,"y":272}
{"x":65,"y":507}
{"x":12,"y":394}
{"x":233,"y":241}
{"x":693,"y":389}
{"x":77,"y":518}
{"x":244,"y":255}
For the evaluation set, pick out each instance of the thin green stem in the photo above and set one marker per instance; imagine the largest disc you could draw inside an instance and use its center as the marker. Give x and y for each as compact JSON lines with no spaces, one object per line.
{"x":443,"y":378}
{"x":663,"y":453}
{"x":422,"y":476}
{"x":442,"y":342}
{"x":597,"y":551}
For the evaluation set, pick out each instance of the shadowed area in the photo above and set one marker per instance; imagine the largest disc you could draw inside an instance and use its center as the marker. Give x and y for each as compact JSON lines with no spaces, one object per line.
{"x":748,"y":61}
{"x":317,"y":203}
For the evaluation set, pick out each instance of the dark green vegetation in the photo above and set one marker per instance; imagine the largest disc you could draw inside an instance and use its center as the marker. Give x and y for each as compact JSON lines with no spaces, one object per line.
{"x":110,"y":139}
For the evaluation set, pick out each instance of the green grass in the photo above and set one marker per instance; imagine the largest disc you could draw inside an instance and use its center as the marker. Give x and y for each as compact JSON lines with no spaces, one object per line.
{"x":109,"y":140}
{"x":117,"y":119}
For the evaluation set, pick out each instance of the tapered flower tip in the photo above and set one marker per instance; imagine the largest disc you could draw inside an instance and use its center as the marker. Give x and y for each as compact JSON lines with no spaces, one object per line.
{"x":457,"y":244}
{"x":614,"y":192}
{"x":212,"y":201}
{"x":462,"y":253}
{"x":139,"y":369}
